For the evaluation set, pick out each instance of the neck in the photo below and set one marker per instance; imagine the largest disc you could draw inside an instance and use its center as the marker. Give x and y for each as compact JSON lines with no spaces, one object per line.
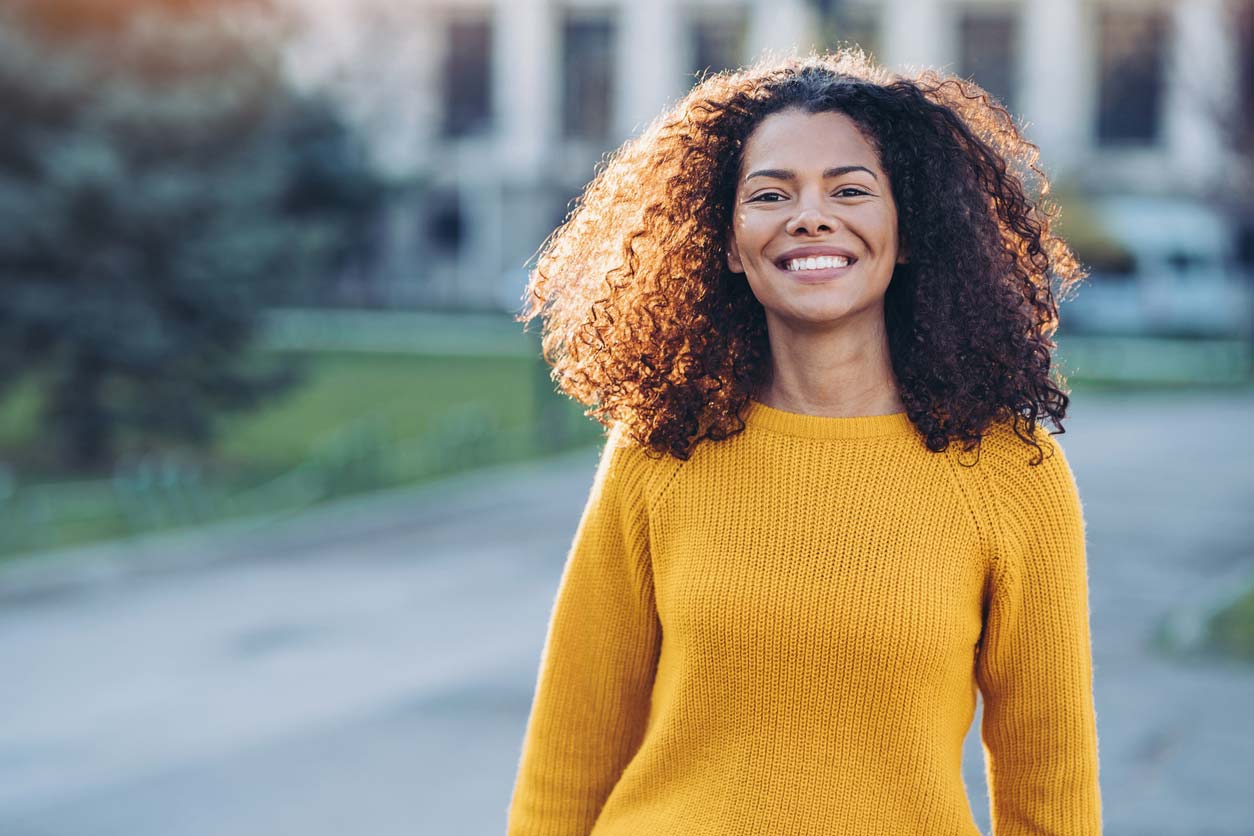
{"x":833,"y":372}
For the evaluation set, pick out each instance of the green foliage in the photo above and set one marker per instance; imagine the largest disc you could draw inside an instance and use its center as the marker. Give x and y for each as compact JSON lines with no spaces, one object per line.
{"x":1230,"y":631}
{"x":159,"y":183}
{"x":1081,"y":227}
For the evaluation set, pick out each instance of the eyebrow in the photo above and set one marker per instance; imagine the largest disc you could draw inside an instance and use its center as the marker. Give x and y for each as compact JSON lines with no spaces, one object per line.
{"x":785,"y":174}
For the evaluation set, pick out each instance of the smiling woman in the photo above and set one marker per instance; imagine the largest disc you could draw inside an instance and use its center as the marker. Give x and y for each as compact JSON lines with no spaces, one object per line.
{"x":815,"y":302}
{"x":649,"y":322}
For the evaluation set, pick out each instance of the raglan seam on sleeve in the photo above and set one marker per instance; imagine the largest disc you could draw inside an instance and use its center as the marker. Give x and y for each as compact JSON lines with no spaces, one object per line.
{"x":1002,"y":547}
{"x":977,"y":510}
{"x":1045,"y":487}
{"x":1030,"y":477}
{"x":634,"y":511}
{"x":640,"y":507}
{"x":663,"y":490}
{"x":652,"y":503}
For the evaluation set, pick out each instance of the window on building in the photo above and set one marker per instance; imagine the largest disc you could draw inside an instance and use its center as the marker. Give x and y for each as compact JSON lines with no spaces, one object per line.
{"x":717,"y":43}
{"x":587,"y":77}
{"x":1241,"y":138}
{"x":1132,"y":46}
{"x":467,"y":78}
{"x":1243,"y":36}
{"x":445,"y":229}
{"x":988,"y":53}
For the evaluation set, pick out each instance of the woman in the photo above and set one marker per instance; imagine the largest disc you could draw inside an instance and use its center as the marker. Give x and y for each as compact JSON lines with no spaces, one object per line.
{"x":814,"y":303}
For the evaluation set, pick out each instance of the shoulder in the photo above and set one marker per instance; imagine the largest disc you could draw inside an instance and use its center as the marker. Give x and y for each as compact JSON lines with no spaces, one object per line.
{"x":1032,"y":492}
{"x":1006,"y":453}
{"x":633,"y":470}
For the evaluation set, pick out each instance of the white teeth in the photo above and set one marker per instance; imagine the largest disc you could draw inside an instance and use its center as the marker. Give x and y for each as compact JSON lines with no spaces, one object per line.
{"x":823,"y":262}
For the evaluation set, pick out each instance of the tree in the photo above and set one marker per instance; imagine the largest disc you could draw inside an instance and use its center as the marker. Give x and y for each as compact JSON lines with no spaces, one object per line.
{"x":159,"y":183}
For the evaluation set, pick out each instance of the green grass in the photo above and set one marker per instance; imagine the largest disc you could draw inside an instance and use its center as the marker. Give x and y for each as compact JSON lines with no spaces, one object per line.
{"x":19,"y":416}
{"x":406,"y":394}
{"x":362,"y":421}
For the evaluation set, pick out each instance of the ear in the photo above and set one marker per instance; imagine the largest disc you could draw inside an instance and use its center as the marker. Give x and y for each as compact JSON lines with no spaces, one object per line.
{"x":733,"y":254}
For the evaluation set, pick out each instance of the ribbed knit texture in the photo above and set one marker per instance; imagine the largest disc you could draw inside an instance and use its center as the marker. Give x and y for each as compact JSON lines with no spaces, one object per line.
{"x":785,"y":634}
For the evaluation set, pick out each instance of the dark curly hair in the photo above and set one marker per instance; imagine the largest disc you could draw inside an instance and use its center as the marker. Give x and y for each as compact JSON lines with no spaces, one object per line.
{"x":645,"y":324}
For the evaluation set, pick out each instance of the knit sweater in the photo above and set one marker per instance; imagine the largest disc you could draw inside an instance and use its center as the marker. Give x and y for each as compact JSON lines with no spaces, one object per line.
{"x":785,"y":634}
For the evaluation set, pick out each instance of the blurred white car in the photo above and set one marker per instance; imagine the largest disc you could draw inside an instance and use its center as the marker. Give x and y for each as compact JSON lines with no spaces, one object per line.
{"x":1182,"y":278}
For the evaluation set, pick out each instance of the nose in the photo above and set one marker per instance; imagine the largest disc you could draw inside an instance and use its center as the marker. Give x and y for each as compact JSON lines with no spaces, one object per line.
{"x":809,"y":220}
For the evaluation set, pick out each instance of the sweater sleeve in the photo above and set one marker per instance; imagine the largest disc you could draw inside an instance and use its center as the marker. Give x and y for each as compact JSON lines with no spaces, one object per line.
{"x":600,"y":657}
{"x":1034,"y":667}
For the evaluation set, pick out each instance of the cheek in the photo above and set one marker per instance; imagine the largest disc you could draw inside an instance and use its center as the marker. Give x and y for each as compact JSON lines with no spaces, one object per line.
{"x":752,"y":232}
{"x":892,"y":227}
{"x":882,"y":233}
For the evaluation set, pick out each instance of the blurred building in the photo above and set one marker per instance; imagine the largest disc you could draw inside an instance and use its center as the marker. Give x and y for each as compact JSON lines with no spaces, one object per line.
{"x":495,"y":112}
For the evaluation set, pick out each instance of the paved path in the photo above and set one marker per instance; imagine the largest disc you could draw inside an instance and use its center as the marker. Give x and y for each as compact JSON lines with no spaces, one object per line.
{"x":369,"y":670}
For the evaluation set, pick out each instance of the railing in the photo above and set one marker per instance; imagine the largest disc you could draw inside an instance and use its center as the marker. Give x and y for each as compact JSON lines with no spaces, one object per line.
{"x":1156,"y":360}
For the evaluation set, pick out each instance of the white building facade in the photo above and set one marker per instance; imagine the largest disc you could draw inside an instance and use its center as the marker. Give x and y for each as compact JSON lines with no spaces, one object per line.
{"x":496,"y":111}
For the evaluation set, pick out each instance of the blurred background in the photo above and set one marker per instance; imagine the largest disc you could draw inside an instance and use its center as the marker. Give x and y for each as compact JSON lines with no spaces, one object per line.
{"x":285,"y":492}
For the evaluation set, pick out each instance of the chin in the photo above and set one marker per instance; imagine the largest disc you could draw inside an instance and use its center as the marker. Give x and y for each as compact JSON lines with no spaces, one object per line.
{"x":833,"y":313}
{"x":817,"y":317}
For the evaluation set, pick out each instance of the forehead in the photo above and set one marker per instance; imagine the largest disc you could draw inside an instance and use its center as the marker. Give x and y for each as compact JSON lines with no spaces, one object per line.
{"x":794,"y":139}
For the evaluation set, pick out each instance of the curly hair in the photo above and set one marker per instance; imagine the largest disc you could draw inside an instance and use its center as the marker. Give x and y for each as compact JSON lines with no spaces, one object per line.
{"x":646,"y":325}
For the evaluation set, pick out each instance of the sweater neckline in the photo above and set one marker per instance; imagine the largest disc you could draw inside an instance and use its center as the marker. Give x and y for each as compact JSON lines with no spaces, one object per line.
{"x":758,"y":414}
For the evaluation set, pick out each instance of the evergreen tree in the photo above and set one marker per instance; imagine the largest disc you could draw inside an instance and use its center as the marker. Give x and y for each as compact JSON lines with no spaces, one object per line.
{"x":159,"y":183}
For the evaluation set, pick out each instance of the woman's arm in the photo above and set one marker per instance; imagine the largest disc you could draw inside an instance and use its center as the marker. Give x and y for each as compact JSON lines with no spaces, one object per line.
{"x":600,"y":657}
{"x":1035,"y":667}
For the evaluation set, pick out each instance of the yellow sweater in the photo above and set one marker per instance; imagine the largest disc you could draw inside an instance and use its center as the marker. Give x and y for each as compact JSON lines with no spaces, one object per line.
{"x":785,"y":634}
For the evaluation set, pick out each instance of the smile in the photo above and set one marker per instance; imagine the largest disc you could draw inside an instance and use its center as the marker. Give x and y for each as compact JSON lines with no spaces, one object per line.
{"x":823,"y":262}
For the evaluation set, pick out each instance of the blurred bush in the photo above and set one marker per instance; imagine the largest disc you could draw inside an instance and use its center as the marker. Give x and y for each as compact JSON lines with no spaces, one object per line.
{"x":1229,"y":630}
{"x":160,"y":182}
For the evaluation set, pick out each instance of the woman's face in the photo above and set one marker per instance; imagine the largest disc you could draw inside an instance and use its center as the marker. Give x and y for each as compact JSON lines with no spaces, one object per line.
{"x":815,"y":226}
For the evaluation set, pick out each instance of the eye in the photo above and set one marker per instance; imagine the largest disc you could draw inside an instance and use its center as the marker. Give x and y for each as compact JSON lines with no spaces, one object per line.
{"x":851,"y":191}
{"x":763,"y":198}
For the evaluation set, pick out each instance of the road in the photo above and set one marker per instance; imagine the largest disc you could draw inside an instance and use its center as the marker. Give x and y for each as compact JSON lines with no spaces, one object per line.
{"x":369,"y":668}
